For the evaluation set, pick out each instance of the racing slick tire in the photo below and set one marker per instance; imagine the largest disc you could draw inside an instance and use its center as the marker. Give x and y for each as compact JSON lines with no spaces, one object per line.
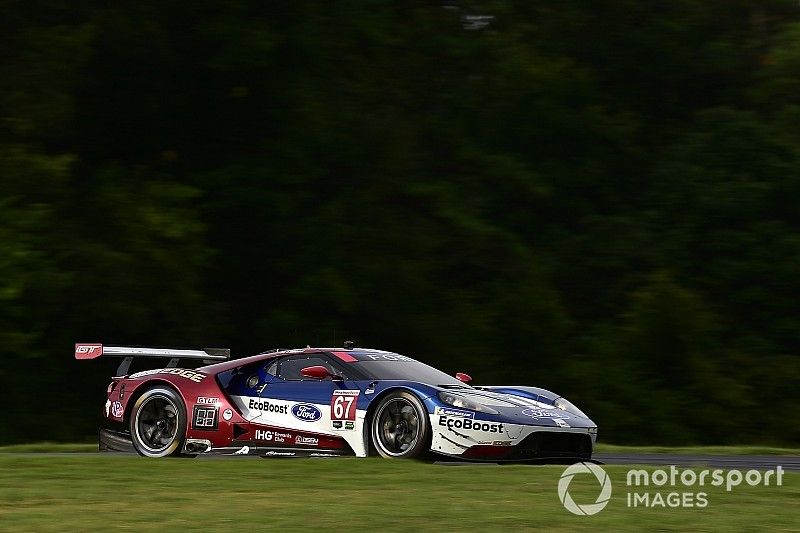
{"x":400,"y":428}
{"x":158,"y":423}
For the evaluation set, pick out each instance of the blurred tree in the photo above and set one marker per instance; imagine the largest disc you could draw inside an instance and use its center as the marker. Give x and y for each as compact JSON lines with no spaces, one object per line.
{"x":596,"y":198}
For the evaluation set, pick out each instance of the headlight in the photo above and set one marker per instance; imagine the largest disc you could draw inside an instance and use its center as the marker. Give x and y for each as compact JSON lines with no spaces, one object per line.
{"x":456,"y":400}
{"x":566,"y":405}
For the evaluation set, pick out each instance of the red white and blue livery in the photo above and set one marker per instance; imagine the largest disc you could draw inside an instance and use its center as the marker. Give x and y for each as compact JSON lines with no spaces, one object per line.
{"x":329,"y":402}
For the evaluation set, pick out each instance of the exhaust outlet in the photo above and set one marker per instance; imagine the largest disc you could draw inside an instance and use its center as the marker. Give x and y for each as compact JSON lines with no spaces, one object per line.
{"x":197,"y":446}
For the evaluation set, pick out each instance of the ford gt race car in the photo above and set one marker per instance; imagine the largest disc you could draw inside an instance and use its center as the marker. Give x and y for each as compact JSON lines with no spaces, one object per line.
{"x":329,"y":402}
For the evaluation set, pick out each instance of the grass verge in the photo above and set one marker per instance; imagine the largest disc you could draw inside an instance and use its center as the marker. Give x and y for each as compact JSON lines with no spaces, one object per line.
{"x":57,"y":493}
{"x":49,"y":447}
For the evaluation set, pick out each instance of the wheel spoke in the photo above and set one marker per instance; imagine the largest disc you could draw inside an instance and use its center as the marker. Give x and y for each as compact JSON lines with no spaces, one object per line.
{"x":399,"y":424}
{"x":157,"y":424}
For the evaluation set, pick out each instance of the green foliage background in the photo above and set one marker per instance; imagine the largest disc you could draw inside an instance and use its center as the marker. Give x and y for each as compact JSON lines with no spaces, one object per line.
{"x":597,"y":198}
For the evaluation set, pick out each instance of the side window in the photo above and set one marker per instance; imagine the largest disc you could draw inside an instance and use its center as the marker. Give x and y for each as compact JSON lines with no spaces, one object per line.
{"x":290,"y":367}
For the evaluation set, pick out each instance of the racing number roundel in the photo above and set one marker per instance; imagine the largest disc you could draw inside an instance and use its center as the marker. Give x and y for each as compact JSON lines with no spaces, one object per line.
{"x":343,"y":404}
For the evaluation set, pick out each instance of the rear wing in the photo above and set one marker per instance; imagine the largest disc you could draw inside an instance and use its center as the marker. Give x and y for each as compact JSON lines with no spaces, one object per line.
{"x":128,"y":353}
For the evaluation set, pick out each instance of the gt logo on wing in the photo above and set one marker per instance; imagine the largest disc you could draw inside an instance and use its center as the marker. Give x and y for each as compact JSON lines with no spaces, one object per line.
{"x":88,"y":351}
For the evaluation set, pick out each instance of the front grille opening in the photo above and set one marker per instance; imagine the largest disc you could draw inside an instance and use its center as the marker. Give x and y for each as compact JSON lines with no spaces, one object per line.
{"x":546,"y":445}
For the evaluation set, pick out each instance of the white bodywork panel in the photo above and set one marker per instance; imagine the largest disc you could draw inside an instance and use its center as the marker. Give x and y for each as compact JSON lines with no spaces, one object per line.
{"x":456,"y":430}
{"x":278,"y":413}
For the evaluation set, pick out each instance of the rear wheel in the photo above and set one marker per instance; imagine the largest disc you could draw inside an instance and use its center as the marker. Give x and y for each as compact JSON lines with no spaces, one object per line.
{"x":158,"y":422}
{"x":400,"y":428}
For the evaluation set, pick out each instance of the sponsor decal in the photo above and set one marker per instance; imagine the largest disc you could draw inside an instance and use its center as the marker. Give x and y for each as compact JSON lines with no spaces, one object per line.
{"x":116,"y":410}
{"x":544,"y":413}
{"x":272,"y":436}
{"x":339,"y":425}
{"x":306,"y":412}
{"x":343,"y":404}
{"x":204,"y":417}
{"x":272,"y":452}
{"x":561,"y":423}
{"x":311,"y":441}
{"x":281,"y":437}
{"x":386,"y":357}
{"x":369,"y":391}
{"x":108,"y":407}
{"x":449,"y":411}
{"x":227,"y":414}
{"x":191,"y":375}
{"x":244,"y":450}
{"x":469,"y":425}
{"x":501,"y":443}
{"x":268,"y":407}
{"x":318,"y":454}
{"x":208,"y":400}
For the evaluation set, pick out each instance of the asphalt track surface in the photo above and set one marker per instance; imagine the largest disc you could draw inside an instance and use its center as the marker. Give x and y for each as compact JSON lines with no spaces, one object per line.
{"x":740,"y":462}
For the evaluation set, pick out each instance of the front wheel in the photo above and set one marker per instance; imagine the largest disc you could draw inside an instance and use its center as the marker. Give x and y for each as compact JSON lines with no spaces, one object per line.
{"x":158,"y":422}
{"x":400,"y":428}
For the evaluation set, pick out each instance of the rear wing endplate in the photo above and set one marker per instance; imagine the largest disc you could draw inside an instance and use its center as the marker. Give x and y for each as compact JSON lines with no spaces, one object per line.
{"x":129,"y":353}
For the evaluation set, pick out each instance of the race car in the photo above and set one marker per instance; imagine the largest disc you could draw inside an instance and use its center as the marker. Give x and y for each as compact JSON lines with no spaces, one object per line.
{"x":329,"y":402}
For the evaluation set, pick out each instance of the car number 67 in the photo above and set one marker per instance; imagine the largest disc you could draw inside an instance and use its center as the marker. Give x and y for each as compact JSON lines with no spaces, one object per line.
{"x":343,"y":407}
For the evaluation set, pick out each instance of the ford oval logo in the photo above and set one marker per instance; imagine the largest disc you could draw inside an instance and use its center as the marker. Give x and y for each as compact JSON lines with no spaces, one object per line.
{"x":543,"y":413}
{"x":306,"y":412}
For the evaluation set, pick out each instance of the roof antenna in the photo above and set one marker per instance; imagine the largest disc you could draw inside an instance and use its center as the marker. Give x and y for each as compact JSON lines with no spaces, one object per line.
{"x":348,"y":345}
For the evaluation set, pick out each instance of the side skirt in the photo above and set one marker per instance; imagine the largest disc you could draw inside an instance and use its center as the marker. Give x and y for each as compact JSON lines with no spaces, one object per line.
{"x":109,"y":440}
{"x":248,"y":448}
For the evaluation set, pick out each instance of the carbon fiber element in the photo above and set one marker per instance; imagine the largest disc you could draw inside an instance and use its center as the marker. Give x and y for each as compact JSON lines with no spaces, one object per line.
{"x":551,"y":445}
{"x":115,"y":441}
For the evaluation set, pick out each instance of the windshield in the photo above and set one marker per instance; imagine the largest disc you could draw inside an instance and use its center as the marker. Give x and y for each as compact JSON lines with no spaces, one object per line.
{"x":407,"y":370}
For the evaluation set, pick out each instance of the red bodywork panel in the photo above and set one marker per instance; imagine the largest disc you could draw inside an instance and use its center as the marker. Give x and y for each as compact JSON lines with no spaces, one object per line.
{"x":206,"y":393}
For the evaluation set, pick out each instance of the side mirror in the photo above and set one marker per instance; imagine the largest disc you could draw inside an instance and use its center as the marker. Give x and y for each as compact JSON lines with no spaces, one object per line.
{"x":315,"y":372}
{"x":462,"y":377}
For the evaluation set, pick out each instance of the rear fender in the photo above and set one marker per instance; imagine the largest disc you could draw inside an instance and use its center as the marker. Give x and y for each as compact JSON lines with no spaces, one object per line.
{"x":135,"y":392}
{"x":209,"y":414}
